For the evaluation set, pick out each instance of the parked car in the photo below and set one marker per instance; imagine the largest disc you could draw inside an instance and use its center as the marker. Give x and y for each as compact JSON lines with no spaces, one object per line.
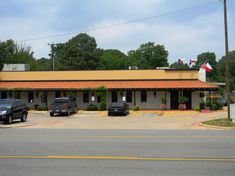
{"x":62,"y":105}
{"x":11,"y":109}
{"x":118,"y":109}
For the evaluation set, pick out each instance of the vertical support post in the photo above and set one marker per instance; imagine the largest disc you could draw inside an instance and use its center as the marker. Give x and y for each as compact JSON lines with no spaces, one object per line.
{"x":226,"y":59}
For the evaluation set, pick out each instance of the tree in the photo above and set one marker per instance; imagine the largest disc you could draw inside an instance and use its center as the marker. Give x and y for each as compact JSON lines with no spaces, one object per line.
{"x":79,"y":53}
{"x":148,"y":56}
{"x":113,"y":59}
{"x":13,"y":53}
{"x":43,"y":64}
{"x":179,"y":65}
{"x":221,"y":69}
{"x":209,"y":57}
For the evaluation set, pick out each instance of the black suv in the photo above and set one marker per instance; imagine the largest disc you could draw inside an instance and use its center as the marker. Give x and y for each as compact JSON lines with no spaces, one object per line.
{"x":118,"y":109}
{"x":11,"y":109}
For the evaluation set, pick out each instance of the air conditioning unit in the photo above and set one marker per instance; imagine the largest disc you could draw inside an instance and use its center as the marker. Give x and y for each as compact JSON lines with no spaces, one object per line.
{"x":133,"y":68}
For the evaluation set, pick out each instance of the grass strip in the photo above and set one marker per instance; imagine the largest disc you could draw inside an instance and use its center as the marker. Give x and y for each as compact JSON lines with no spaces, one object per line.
{"x":220,"y":122}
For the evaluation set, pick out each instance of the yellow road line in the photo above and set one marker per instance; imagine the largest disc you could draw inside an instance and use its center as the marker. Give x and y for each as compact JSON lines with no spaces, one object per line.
{"x":118,"y":158}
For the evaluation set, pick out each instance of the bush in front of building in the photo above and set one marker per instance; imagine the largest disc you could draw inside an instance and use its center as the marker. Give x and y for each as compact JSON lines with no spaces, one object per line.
{"x":219,"y":105}
{"x":214,"y":106}
{"x":136,"y":108}
{"x":103,"y":106}
{"x":197,"y":108}
{"x":92,"y":107}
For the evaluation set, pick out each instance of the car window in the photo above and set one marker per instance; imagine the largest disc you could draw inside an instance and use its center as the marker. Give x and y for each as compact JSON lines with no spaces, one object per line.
{"x":116,"y":105}
{"x":61,"y":101}
{"x":5,"y":105}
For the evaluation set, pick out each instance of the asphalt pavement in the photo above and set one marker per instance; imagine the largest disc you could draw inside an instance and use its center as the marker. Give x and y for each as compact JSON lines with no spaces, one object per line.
{"x":136,"y":120}
{"x":27,"y":152}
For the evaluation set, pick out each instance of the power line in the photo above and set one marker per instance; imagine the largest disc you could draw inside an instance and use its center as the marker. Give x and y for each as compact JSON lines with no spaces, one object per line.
{"x":124,"y":23}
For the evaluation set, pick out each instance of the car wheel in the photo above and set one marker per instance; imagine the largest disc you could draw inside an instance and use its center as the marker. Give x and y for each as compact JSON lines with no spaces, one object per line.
{"x":23,"y":117}
{"x":8,"y":120}
{"x":51,"y":114}
{"x":109,"y":114}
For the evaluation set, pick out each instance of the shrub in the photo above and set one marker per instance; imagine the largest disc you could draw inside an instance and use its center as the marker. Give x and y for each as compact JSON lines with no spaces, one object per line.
{"x":164,"y":100}
{"x":197,"y":108}
{"x":136,"y":108}
{"x":92,"y":107}
{"x":102,"y":106}
{"x":183,"y":99}
{"x":219,"y":105}
{"x":212,"y":106}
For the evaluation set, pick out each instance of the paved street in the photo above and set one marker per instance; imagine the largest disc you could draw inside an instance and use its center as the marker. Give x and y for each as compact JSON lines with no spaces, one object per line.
{"x":27,"y":152}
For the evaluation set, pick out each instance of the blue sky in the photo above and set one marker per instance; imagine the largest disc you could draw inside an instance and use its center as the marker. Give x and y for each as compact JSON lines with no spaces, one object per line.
{"x":184,"y":35}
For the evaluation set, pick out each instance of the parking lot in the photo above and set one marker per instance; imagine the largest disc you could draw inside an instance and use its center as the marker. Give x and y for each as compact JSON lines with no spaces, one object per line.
{"x":144,"y":120}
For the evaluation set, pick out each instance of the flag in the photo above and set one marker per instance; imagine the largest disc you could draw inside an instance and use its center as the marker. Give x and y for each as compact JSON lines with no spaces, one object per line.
{"x":206,"y":66}
{"x":192,"y":61}
{"x":181,"y":61}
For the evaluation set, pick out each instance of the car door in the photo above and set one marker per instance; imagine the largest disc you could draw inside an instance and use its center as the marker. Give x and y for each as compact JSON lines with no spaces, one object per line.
{"x":14,"y":110}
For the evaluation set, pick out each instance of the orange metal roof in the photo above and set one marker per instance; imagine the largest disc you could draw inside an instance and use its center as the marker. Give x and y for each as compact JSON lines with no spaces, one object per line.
{"x":158,"y":84}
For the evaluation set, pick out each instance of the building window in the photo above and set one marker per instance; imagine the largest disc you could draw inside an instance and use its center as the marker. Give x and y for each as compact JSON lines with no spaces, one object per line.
{"x":17,"y":94}
{"x":30,"y":97}
{"x":143,"y":96}
{"x":85,"y":97}
{"x":114,"y":96}
{"x":72,"y":95}
{"x":98,"y":98}
{"x":43,"y":96}
{"x":11,"y":94}
{"x":4,"y":94}
{"x":129,"y":96}
{"x":57,"y":94}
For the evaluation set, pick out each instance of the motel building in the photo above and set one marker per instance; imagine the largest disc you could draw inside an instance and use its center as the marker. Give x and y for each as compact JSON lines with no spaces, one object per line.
{"x":142,"y":88}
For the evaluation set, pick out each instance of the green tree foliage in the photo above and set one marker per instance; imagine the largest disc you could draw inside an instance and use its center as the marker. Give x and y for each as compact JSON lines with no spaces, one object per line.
{"x":12,"y":53}
{"x":113,"y":59}
{"x":221,"y":68}
{"x":79,"y":53}
{"x":148,"y":56}
{"x":209,"y":57}
{"x":179,"y":65}
{"x":43,"y":64}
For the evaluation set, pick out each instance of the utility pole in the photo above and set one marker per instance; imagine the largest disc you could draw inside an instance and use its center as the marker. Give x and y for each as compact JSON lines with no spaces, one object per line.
{"x":226,"y":60}
{"x":52,"y":54}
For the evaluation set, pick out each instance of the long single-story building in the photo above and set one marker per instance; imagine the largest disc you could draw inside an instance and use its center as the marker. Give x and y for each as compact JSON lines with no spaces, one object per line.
{"x":142,"y":88}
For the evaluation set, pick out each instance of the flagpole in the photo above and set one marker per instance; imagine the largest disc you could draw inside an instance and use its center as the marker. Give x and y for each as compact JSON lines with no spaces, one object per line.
{"x":226,"y":59}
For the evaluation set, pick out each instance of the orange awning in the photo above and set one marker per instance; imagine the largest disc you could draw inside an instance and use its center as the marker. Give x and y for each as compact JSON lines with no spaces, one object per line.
{"x":158,"y":84}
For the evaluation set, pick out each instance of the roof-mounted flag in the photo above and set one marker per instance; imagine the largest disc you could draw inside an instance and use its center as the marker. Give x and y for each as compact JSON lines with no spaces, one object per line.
{"x":181,"y":61}
{"x":206,"y":66}
{"x":192,"y":61}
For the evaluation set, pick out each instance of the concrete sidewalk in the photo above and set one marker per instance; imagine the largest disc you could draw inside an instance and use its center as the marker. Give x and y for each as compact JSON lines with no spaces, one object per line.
{"x":138,"y":120}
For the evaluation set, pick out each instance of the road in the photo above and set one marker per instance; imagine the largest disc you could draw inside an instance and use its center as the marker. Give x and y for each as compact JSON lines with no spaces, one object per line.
{"x":37,"y":152}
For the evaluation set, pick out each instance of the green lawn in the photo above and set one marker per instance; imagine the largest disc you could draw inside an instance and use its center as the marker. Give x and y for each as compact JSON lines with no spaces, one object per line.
{"x":220,"y":122}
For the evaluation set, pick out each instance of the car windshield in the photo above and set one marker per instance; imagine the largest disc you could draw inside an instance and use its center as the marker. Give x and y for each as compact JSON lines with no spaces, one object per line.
{"x":5,"y":105}
{"x":117,"y":105}
{"x":61,"y":101}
